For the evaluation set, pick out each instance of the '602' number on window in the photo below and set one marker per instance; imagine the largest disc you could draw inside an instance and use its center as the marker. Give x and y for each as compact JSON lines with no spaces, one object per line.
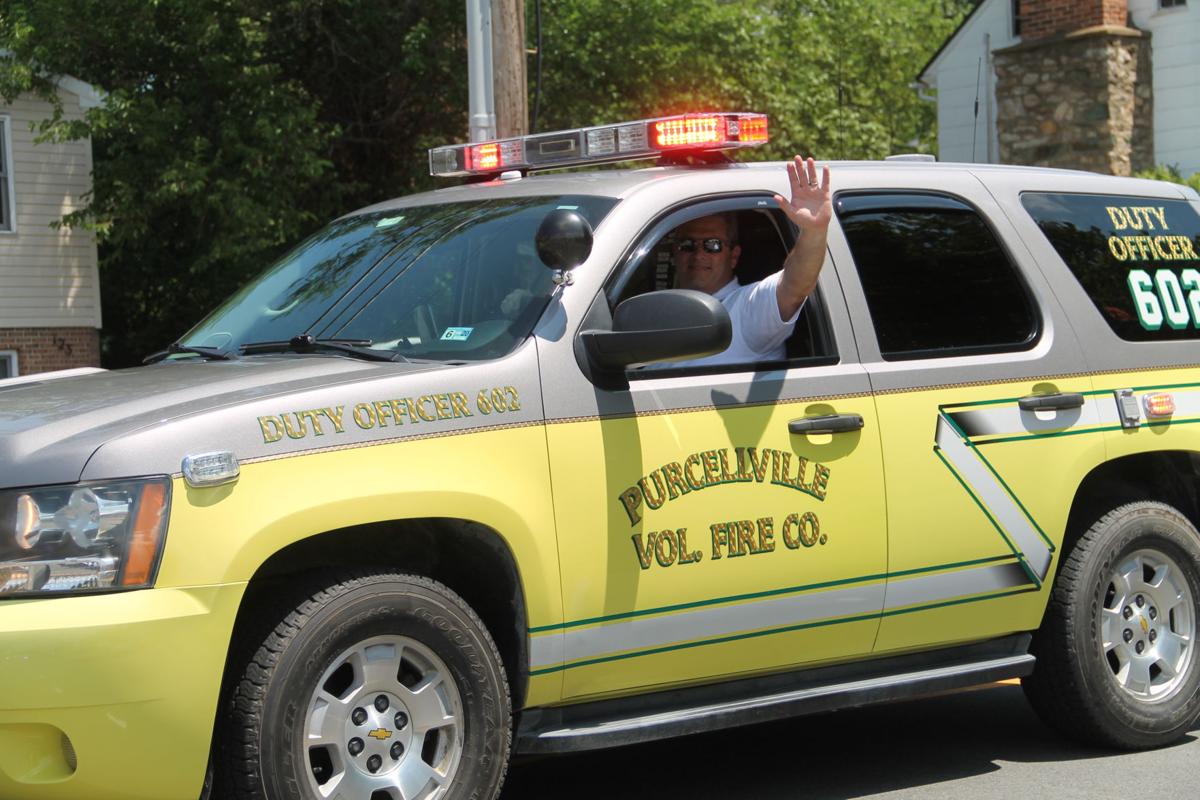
{"x":1167,"y":297}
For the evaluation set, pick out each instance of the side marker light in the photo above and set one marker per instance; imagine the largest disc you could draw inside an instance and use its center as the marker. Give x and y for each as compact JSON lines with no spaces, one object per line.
{"x":210,"y":469}
{"x":1159,"y":404}
{"x":147,"y":530}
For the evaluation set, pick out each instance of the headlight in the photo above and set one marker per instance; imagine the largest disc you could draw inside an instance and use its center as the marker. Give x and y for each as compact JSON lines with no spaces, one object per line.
{"x":82,"y":538}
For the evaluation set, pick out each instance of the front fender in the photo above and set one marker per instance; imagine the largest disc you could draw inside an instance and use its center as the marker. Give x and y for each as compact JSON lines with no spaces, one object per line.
{"x":498,"y":478}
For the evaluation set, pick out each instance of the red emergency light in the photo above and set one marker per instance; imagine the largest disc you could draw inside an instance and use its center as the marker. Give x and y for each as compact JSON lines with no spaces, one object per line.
{"x":689,"y":131}
{"x":753,"y":128}
{"x":484,"y":156}
{"x":493,"y":156}
{"x":625,"y":141}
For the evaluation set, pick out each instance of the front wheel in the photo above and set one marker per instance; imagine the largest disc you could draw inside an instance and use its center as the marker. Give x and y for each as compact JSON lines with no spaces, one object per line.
{"x":1116,"y":654}
{"x":375,"y":687}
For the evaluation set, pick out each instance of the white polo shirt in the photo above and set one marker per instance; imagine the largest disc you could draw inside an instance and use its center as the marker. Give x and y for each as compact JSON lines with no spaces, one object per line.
{"x":758,"y":332}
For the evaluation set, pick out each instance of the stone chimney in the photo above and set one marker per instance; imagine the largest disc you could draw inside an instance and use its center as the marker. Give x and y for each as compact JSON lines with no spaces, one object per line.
{"x":1076,"y":91}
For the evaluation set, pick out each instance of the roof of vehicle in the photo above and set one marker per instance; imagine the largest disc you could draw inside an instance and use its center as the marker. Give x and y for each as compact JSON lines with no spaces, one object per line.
{"x":622,"y":183}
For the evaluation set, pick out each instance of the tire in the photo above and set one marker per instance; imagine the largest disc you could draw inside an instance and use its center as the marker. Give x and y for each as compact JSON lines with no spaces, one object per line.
{"x":395,"y":677}
{"x":1090,"y":681}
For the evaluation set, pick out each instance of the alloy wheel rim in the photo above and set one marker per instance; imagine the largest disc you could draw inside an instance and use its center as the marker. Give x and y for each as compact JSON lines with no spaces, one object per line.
{"x":384,"y":722}
{"x":1147,"y":626}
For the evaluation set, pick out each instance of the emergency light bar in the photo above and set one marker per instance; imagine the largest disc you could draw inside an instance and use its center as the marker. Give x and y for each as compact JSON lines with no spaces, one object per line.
{"x":625,"y":141}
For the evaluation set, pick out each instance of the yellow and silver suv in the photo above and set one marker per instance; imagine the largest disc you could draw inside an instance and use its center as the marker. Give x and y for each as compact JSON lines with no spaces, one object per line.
{"x":413,"y":500}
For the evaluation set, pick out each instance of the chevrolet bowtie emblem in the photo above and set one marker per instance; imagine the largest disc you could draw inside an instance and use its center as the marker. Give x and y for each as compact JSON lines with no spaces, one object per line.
{"x":384,"y":733}
{"x":1145,"y":625}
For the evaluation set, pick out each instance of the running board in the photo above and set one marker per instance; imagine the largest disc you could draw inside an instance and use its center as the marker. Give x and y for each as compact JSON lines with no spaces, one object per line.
{"x":647,"y":717}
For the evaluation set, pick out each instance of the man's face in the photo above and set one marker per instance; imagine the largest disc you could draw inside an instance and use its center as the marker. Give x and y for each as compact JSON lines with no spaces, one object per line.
{"x":699,"y":269}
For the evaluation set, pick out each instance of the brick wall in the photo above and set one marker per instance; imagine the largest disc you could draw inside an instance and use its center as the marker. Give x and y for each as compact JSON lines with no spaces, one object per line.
{"x":48,"y":349}
{"x":1041,"y":18}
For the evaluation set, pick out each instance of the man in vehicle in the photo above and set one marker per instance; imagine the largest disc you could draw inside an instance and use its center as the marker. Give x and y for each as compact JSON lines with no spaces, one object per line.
{"x":763,"y":313}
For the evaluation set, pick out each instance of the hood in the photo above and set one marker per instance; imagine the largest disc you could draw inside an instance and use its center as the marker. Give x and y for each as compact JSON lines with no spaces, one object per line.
{"x":49,"y":430}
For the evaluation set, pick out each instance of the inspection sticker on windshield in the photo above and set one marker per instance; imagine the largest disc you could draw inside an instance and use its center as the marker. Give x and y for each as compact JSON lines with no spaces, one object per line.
{"x":388,"y":222}
{"x":456,"y":334}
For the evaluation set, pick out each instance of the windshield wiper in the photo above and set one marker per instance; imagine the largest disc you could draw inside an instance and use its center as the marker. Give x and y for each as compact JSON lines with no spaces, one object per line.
{"x":175,"y":348}
{"x":306,"y":343}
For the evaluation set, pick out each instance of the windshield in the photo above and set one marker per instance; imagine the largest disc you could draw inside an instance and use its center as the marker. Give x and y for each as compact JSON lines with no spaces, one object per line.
{"x":455,"y":281}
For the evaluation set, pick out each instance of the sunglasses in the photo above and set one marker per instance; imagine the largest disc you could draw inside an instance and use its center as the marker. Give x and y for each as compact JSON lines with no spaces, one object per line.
{"x":713,"y":245}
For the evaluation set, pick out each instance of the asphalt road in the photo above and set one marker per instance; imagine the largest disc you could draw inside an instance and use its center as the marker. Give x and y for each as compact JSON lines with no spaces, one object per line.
{"x":977,"y":745}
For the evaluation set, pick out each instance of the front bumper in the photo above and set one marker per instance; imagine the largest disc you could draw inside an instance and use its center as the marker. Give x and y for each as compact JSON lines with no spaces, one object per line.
{"x":111,"y":696}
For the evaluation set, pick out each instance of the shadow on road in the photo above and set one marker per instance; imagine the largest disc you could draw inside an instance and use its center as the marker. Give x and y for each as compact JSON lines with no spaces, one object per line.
{"x":848,"y":754}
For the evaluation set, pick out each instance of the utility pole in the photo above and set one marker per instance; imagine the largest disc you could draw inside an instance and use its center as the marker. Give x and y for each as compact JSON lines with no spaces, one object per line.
{"x":479,"y":71}
{"x":496,"y":69}
{"x":508,"y":60}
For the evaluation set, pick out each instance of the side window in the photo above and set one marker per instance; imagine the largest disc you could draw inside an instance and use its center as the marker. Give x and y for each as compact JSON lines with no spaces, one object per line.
{"x":762,"y":237}
{"x":1138,"y":258}
{"x":937,"y":281}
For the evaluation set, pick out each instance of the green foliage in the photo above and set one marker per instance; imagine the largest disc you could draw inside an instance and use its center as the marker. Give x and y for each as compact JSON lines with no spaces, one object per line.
{"x":201,"y":151}
{"x":234,"y":127}
{"x":834,"y":75}
{"x":230,"y":130}
{"x":1170,"y":172}
{"x":390,"y":75}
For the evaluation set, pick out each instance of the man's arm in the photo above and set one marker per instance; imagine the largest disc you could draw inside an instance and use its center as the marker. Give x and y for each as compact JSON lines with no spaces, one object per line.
{"x":810,"y":209}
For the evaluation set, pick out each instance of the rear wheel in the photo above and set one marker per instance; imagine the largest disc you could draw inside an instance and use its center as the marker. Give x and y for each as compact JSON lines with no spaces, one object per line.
{"x":1116,"y":660}
{"x":375,"y":687}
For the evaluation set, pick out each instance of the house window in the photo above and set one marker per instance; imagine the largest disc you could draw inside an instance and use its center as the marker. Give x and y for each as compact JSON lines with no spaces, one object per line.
{"x":1016,"y":17}
{"x":1171,"y":3}
{"x":6,"y":182}
{"x":8,"y":364}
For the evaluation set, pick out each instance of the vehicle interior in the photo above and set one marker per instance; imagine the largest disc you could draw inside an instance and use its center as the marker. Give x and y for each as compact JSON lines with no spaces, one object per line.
{"x":764,"y":236}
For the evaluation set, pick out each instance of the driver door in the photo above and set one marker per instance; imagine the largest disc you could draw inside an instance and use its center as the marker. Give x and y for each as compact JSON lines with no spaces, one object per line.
{"x":702,"y":535}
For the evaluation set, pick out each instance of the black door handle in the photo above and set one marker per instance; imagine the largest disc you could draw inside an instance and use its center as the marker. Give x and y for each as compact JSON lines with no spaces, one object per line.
{"x":830,"y":423}
{"x":1051,"y":402}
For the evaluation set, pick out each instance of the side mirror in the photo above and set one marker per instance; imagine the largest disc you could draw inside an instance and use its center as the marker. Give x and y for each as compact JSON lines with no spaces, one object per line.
{"x":668,"y":325}
{"x":564,"y":239}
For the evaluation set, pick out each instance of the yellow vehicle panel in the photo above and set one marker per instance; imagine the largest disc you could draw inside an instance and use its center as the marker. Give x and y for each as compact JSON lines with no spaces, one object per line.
{"x":106,"y":671}
{"x":225,"y":533}
{"x":978,"y":485}
{"x":681,"y":562}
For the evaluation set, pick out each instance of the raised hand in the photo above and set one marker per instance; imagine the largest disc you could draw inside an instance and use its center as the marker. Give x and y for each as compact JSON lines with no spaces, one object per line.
{"x":811,"y":204}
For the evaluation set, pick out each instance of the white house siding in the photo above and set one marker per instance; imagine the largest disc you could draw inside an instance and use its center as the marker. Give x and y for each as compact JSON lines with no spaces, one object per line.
{"x":48,"y":278}
{"x":1175,"y":40}
{"x":954,"y":73}
{"x":1176,"y":58}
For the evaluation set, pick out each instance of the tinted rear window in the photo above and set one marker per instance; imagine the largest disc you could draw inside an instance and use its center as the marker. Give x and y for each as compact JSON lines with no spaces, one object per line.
{"x":937,"y":281}
{"x":1138,"y":258}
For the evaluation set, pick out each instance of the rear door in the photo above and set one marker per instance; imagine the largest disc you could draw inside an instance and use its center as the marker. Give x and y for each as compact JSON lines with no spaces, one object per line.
{"x":980,"y":390}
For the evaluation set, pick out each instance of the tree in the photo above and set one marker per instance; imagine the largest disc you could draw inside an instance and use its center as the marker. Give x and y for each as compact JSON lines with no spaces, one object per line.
{"x":234,"y":127}
{"x":201,"y":151}
{"x":231,"y":129}
{"x":1170,"y":172}
{"x":833,"y":75}
{"x":390,"y":76}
